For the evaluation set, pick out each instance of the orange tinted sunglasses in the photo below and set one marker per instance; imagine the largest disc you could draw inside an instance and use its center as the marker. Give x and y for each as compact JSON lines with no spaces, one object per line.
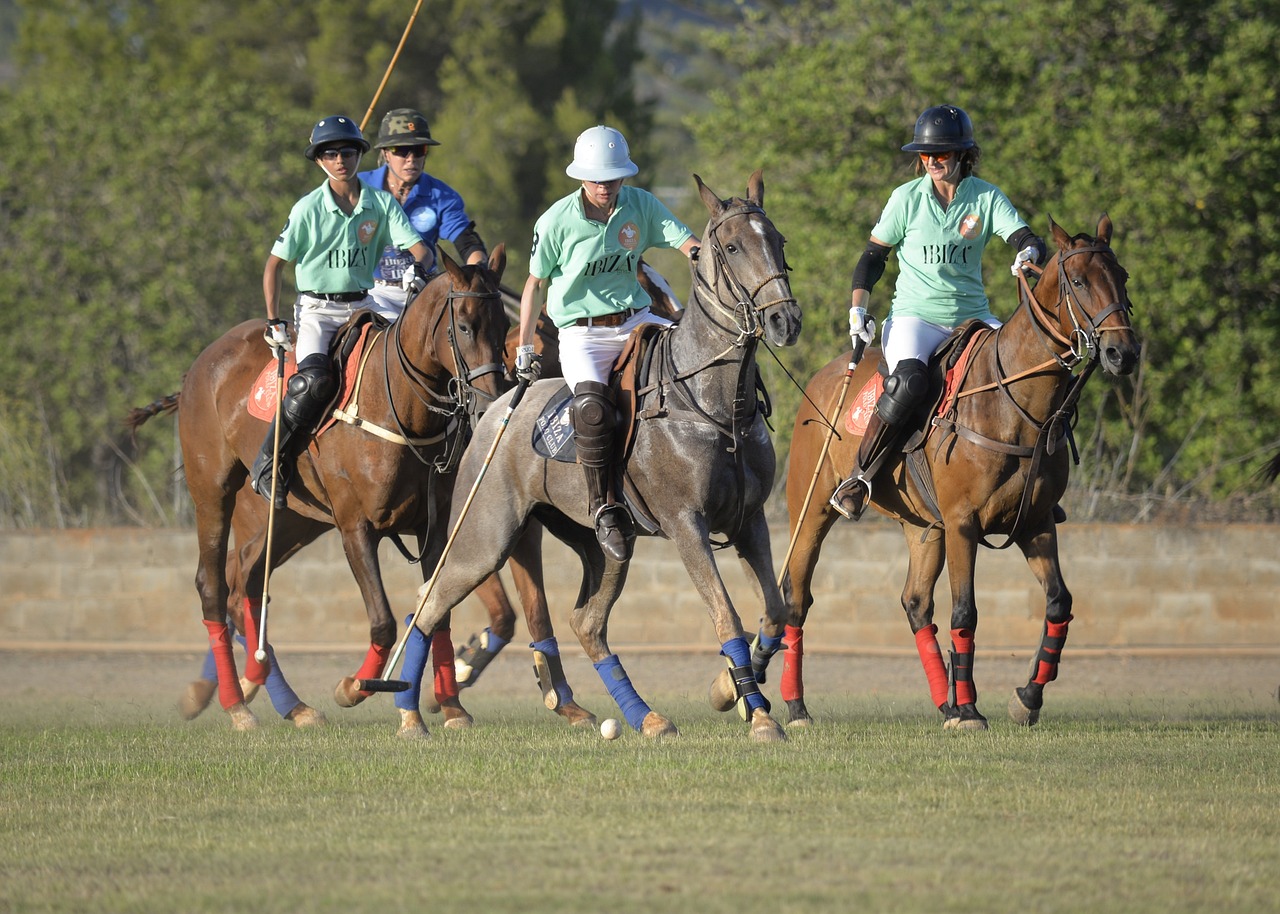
{"x":937,"y":156}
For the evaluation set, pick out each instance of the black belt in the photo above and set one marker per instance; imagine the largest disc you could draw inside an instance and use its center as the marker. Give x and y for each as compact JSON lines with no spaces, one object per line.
{"x":338,"y":296}
{"x":617,"y":319}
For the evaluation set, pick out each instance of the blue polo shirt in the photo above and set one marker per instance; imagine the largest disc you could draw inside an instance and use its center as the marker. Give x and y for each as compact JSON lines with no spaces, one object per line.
{"x":435,"y":211}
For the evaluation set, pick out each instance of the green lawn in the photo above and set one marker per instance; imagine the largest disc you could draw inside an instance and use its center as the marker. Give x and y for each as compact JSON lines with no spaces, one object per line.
{"x":1113,"y":803}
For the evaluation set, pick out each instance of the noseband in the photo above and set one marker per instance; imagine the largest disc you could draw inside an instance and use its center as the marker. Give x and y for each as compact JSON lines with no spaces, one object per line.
{"x":1082,"y":344}
{"x":749,"y":325}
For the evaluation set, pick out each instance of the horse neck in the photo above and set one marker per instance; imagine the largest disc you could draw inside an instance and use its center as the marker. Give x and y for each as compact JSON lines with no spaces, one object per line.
{"x":708,"y":358}
{"x":412,"y":371}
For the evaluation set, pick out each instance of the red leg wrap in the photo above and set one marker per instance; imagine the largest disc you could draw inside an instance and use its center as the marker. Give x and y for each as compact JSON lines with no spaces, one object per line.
{"x":374,"y":663}
{"x":934,"y":669}
{"x":253,"y":670}
{"x":1055,"y":636}
{"x":962,"y":645}
{"x":446,"y":679}
{"x":229,"y":692}
{"x":792,"y":684}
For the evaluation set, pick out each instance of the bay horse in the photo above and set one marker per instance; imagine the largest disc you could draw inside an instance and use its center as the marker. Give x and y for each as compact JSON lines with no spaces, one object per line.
{"x":699,"y":462}
{"x":993,"y":463}
{"x":431,"y":373}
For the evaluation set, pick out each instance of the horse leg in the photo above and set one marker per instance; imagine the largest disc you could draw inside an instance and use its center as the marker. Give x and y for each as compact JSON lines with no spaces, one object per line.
{"x":481,"y":648}
{"x":961,"y":712}
{"x":926,"y":556}
{"x":362,"y":556}
{"x":526,"y":571}
{"x":1041,"y":552}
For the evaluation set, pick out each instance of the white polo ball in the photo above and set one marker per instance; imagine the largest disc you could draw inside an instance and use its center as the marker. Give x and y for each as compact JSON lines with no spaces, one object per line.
{"x":610,"y":728}
{"x":260,"y":655}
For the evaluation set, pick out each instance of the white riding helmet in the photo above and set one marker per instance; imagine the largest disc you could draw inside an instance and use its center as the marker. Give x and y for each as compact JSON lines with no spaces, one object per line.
{"x":601,"y":154}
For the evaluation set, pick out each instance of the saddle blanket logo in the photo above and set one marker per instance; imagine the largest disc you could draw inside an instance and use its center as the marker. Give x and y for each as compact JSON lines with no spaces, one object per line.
{"x":553,"y":432}
{"x":864,"y":405}
{"x":262,"y":395}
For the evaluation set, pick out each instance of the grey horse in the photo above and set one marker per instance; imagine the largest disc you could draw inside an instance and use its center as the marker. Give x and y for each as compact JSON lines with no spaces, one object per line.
{"x":699,"y":463}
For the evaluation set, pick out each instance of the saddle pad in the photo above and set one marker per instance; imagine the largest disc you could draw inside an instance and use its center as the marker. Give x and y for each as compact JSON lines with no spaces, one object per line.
{"x":864,"y":405}
{"x":262,"y":395}
{"x":553,"y":432}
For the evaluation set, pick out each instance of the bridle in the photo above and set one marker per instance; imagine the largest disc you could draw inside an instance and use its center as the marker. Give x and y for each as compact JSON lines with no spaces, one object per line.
{"x":1082,"y":343}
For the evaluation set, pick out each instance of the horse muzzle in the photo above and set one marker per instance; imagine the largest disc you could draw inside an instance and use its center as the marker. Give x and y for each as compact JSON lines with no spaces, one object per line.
{"x":1118,"y":352}
{"x":782,"y":324}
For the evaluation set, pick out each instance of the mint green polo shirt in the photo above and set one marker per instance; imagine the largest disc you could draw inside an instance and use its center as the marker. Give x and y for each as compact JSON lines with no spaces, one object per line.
{"x":333,"y":252}
{"x":591,"y":267}
{"x":940,"y":251}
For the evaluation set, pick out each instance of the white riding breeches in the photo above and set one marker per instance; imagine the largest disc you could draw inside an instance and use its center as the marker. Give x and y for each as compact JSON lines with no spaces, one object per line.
{"x":914,"y":338}
{"x":588,"y":353}
{"x":316,"y":320}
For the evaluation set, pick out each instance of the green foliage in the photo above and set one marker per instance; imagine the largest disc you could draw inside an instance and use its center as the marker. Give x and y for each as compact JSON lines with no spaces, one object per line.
{"x":1163,"y":114}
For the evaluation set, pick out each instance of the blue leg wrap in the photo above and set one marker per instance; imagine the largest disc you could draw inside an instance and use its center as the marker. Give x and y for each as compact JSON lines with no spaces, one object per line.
{"x":283,"y":698}
{"x":209,"y":670}
{"x":618,"y":683}
{"x":494,"y":643}
{"x":416,"y":649}
{"x":551,"y":648}
{"x":762,"y":650}
{"x":739,"y":654}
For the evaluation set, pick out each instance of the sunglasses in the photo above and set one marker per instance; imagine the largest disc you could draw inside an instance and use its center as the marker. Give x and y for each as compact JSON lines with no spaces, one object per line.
{"x":937,"y":156}
{"x":345,"y":152}
{"x":403,"y":152}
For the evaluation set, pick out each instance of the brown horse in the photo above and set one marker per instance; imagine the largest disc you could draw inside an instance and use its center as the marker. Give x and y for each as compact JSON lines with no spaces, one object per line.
{"x":993,"y":463}
{"x":427,"y":376}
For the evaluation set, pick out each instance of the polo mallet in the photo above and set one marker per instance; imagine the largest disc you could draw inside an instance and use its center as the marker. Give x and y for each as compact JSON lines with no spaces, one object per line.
{"x":260,"y":654}
{"x":858,"y":348}
{"x":399,"y":685}
{"x":391,"y":66}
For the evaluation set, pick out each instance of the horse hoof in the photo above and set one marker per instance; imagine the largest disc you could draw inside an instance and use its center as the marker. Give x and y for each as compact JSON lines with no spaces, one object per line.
{"x":463,"y":721}
{"x":577,"y":715}
{"x":655,"y":725}
{"x":346,"y":695}
{"x":304,"y":716}
{"x":412,"y":727}
{"x":250,"y":690}
{"x":797,"y":713}
{"x":242,"y":718}
{"x":1021,"y":714}
{"x":800,"y":723}
{"x":196,"y":698}
{"x":764,"y":729}
{"x":965,"y":717}
{"x":722,"y":695}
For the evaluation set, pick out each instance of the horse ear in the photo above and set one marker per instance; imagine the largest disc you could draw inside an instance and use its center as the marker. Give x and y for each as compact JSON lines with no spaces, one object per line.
{"x":498,"y":259}
{"x":710,"y":198}
{"x":755,"y":188}
{"x":451,"y":266}
{"x":1060,"y":237}
{"x":1104,"y":229}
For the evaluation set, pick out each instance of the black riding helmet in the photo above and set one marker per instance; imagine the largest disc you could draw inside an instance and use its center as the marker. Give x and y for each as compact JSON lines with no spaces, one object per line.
{"x":336,"y":128}
{"x":940,"y":129}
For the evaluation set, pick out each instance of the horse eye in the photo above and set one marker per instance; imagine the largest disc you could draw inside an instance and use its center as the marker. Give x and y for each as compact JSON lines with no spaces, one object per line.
{"x":1078,"y":283}
{"x":731,"y":248}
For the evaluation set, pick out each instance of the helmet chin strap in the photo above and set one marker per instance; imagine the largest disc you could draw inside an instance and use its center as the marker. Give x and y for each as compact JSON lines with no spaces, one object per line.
{"x":325,"y":169}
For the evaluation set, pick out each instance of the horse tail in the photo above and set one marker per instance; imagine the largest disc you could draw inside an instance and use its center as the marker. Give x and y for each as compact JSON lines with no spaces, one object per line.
{"x":1270,"y":470}
{"x":140,"y":414}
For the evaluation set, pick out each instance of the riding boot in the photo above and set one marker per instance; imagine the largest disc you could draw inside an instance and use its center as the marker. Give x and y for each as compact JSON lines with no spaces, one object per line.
{"x":260,"y":474}
{"x":852,"y":494}
{"x":594,"y":420}
{"x":307,"y":394}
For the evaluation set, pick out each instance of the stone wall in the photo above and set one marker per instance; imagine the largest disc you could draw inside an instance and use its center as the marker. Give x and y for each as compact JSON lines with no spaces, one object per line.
{"x":1135,"y":587}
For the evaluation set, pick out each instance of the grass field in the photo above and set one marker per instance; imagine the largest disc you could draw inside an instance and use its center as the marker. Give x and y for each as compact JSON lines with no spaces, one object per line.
{"x":1150,"y":785}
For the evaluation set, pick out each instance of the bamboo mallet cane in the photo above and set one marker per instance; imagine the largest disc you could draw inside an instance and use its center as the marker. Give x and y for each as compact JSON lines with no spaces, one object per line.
{"x":260,"y":654}
{"x":858,"y":348}
{"x":391,"y":66}
{"x":396,"y":685}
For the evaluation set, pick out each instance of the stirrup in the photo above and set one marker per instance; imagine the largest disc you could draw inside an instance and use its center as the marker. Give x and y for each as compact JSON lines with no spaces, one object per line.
{"x":613,"y":522}
{"x":260,"y":479}
{"x":845,"y":499}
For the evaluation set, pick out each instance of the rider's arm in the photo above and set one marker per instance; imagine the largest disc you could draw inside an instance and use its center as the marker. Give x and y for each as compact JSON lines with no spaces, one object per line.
{"x":869,"y":270}
{"x":470,"y":246}
{"x":1025,"y":238}
{"x":530,"y":307}
{"x":271,"y":276}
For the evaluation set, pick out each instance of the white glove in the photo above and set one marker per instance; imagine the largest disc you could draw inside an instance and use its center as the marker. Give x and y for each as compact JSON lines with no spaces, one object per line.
{"x":413,"y":278}
{"x":1026,"y":255}
{"x":862,"y":326}
{"x":528,"y":364}
{"x":277,"y":336}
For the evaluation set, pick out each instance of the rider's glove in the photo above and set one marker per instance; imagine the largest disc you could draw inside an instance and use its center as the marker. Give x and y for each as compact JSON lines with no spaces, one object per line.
{"x":277,"y":335}
{"x":528,"y":364}
{"x":414,"y":278}
{"x":1026,"y":255}
{"x":862,"y":326}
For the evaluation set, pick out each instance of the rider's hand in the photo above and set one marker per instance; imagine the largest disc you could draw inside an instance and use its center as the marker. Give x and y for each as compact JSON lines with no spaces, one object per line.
{"x":413,"y":278}
{"x":528,"y":364}
{"x":1025,"y":256}
{"x":862,"y":326}
{"x":277,"y":335}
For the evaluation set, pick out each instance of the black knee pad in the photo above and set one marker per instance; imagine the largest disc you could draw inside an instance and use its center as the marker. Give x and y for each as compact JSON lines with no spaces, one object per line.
{"x":594,"y":420}
{"x":309,"y":391}
{"x":903,"y":391}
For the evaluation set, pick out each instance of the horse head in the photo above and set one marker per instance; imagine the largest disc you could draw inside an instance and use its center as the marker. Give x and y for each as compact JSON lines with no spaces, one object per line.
{"x":742,"y":258}
{"x":1093,"y":308}
{"x":468,"y":328}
